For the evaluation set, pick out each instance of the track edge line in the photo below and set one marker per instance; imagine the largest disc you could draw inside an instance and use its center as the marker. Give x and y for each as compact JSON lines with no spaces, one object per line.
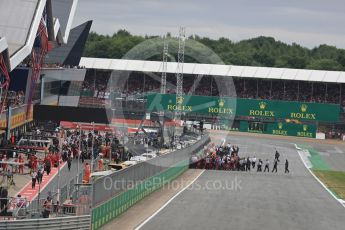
{"x":166,"y":203}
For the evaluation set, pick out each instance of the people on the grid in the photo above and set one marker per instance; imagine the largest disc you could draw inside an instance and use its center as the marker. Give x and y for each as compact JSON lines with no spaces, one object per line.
{"x":226,"y":157}
{"x":287,"y":166}
{"x":253,"y":162}
{"x":267,"y":165}
{"x":277,"y":155}
{"x":260,"y":166}
{"x":275,"y":165}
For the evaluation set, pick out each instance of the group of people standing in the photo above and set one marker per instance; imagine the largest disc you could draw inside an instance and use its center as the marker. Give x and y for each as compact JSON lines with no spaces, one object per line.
{"x":226,"y":157}
{"x":40,"y":167}
{"x":252,"y":162}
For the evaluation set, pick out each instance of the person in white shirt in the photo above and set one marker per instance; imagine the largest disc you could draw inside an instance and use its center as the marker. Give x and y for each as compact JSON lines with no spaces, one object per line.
{"x":33,"y":177}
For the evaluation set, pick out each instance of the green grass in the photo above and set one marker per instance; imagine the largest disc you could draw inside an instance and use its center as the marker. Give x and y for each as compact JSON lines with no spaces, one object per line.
{"x":317,"y":162}
{"x":315,"y":159}
{"x":334,"y":180}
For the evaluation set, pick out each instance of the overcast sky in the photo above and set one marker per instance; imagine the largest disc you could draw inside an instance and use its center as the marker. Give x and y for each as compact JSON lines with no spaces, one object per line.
{"x":306,"y":22}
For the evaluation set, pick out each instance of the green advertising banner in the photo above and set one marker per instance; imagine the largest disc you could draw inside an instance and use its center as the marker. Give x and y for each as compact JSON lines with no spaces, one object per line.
{"x":225,"y":106}
{"x":288,"y":110}
{"x":279,"y":128}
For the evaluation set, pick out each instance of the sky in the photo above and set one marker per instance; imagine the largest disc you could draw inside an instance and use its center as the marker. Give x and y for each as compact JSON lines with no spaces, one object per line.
{"x":305,"y":22}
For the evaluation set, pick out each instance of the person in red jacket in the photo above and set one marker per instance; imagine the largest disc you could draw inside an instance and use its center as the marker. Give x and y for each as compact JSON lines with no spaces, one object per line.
{"x":87,"y":173}
{"x":21,"y":162}
{"x":34,"y":163}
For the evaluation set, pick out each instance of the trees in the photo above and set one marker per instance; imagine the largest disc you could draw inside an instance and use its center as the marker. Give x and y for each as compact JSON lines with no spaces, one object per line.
{"x":325,"y":64}
{"x":262,"y":51}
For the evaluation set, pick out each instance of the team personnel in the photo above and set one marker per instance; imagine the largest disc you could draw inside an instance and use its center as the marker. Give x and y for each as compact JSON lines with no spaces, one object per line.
{"x":69,"y":162}
{"x":253,"y":162}
{"x":287,"y":166}
{"x":267,"y":166}
{"x":248,"y":164}
{"x":260,"y":166}
{"x":275,"y":165}
{"x":277,"y":155}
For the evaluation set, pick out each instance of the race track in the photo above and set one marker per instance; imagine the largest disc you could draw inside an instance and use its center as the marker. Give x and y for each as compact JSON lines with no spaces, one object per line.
{"x":259,"y":201}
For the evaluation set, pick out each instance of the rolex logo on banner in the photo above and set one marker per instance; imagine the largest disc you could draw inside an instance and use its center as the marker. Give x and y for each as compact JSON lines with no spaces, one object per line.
{"x":262,"y":111}
{"x":305,"y":132}
{"x":303,"y":114}
{"x":179,"y":107}
{"x":221,"y":109}
{"x":280,"y":130}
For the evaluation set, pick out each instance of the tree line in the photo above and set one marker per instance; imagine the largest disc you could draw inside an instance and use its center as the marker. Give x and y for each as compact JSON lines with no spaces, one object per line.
{"x":259,"y":51}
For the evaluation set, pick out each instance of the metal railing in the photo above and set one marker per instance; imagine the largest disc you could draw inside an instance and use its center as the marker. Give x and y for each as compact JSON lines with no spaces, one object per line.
{"x":75,"y":222}
{"x":13,"y":207}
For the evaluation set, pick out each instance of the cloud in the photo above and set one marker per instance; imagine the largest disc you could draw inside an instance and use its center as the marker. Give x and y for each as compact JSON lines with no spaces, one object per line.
{"x":307,"y":22}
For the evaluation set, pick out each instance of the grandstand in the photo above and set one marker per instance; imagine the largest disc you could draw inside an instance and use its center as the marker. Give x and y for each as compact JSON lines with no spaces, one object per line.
{"x":261,"y":83}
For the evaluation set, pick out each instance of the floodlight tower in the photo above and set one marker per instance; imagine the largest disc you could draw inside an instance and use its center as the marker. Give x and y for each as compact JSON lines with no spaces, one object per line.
{"x":164,"y":67}
{"x":164,"y":84}
{"x":179,"y":75}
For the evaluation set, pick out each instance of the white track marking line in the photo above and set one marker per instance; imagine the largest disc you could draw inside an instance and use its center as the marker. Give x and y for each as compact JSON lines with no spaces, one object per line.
{"x":342,"y":202}
{"x":169,"y":201}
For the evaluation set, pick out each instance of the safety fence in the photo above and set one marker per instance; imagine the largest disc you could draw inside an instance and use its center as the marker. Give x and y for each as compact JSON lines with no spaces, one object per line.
{"x":68,"y":190}
{"x":75,"y":222}
{"x":119,"y":204}
{"x":107,"y":187}
{"x":135,"y":186}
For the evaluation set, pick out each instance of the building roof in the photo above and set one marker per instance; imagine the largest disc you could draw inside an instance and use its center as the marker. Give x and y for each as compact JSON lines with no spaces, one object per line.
{"x":71,"y":52}
{"x":216,"y":70}
{"x":19,"y":22}
{"x":63,"y":11}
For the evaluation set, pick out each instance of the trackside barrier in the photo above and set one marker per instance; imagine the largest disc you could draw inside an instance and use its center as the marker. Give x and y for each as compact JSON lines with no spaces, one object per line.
{"x":107,"y":187}
{"x":111,"y":209}
{"x":137,"y":182}
{"x":75,"y":222}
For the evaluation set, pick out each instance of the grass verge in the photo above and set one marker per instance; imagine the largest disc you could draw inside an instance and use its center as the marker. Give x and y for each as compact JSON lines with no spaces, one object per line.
{"x":334,"y":180}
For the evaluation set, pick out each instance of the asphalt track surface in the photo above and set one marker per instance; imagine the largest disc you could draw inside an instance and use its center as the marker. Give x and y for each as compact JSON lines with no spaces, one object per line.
{"x":259,"y":201}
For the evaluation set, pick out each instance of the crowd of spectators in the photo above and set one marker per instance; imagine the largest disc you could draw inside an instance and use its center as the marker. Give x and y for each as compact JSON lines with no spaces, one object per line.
{"x":336,"y":134}
{"x":138,"y":83}
{"x":13,"y":98}
{"x":28,"y":64}
{"x":290,"y":90}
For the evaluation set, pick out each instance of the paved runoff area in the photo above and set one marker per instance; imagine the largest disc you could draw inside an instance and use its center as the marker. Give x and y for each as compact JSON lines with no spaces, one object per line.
{"x":254,"y":200}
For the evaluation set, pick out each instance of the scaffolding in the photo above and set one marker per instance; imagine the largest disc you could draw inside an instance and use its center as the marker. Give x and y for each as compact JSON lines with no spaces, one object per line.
{"x":164,"y":67}
{"x":179,"y":78}
{"x":163,"y":87}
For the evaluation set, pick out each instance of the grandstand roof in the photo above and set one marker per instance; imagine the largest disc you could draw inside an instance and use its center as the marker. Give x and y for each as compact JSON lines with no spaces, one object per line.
{"x":3,"y":44}
{"x":19,"y":22}
{"x":63,"y":11}
{"x":216,"y":70}
{"x":71,"y":52}
{"x":20,"y":32}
